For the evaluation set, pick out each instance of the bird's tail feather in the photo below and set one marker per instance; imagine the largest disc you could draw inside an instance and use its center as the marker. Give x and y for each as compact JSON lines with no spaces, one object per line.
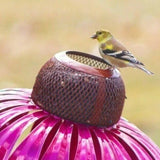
{"x":144,"y":69}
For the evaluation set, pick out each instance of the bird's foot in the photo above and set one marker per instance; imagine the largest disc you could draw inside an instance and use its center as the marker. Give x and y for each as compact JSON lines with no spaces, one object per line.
{"x":111,"y":68}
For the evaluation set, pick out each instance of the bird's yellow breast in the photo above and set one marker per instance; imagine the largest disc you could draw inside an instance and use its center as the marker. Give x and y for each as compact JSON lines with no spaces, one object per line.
{"x":105,"y":46}
{"x":109,"y":46}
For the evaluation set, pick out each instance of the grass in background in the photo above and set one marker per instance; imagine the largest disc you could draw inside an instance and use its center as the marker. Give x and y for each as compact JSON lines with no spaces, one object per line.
{"x":33,"y":31}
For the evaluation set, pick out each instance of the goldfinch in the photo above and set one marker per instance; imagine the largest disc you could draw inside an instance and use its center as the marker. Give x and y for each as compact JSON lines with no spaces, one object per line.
{"x":115,"y":53}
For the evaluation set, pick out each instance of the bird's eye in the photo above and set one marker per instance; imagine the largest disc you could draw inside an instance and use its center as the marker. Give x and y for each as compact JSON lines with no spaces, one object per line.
{"x":100,"y":33}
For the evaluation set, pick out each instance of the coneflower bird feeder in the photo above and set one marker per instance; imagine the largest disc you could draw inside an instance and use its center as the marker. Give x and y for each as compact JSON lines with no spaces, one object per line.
{"x":72,"y":113}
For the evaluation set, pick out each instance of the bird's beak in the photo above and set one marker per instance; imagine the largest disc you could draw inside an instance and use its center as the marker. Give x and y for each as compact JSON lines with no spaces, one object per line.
{"x":94,"y":36}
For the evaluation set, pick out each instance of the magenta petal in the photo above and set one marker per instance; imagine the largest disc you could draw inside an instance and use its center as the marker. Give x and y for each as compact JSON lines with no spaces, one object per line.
{"x":85,"y":148}
{"x":13,"y":97}
{"x":6,"y":116}
{"x":102,"y":146}
{"x":60,"y":145}
{"x":16,"y":94}
{"x":111,"y":148}
{"x":16,"y":91}
{"x":143,"y":140}
{"x":135,"y":149}
{"x":10,"y":134}
{"x":31,"y":147}
{"x":11,"y":104}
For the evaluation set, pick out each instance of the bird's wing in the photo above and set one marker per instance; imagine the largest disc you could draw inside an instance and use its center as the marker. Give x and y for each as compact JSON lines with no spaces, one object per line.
{"x":123,"y":55}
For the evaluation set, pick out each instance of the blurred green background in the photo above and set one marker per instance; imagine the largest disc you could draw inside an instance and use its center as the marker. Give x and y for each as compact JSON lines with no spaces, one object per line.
{"x":32,"y":31}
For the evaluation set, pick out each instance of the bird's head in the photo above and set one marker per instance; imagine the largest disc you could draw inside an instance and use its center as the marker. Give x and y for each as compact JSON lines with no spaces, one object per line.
{"x":102,"y":35}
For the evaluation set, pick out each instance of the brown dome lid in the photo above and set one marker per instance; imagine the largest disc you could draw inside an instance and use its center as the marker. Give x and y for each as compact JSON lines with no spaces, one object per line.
{"x":80,"y":87}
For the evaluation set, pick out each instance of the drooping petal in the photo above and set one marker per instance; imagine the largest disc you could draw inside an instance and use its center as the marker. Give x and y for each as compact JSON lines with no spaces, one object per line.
{"x":31,"y":147}
{"x":11,"y":133}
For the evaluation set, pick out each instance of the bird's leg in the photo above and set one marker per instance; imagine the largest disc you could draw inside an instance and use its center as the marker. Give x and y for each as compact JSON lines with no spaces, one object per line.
{"x":111,"y":67}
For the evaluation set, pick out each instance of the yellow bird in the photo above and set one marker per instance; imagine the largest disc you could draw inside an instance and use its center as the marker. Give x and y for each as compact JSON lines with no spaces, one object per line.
{"x":115,"y":53}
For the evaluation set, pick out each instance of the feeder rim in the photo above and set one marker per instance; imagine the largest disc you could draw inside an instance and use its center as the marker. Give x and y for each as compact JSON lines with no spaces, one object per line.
{"x":69,"y":62}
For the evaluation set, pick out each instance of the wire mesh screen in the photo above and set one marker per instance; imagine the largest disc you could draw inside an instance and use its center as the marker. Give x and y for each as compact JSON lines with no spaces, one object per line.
{"x":97,"y":63}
